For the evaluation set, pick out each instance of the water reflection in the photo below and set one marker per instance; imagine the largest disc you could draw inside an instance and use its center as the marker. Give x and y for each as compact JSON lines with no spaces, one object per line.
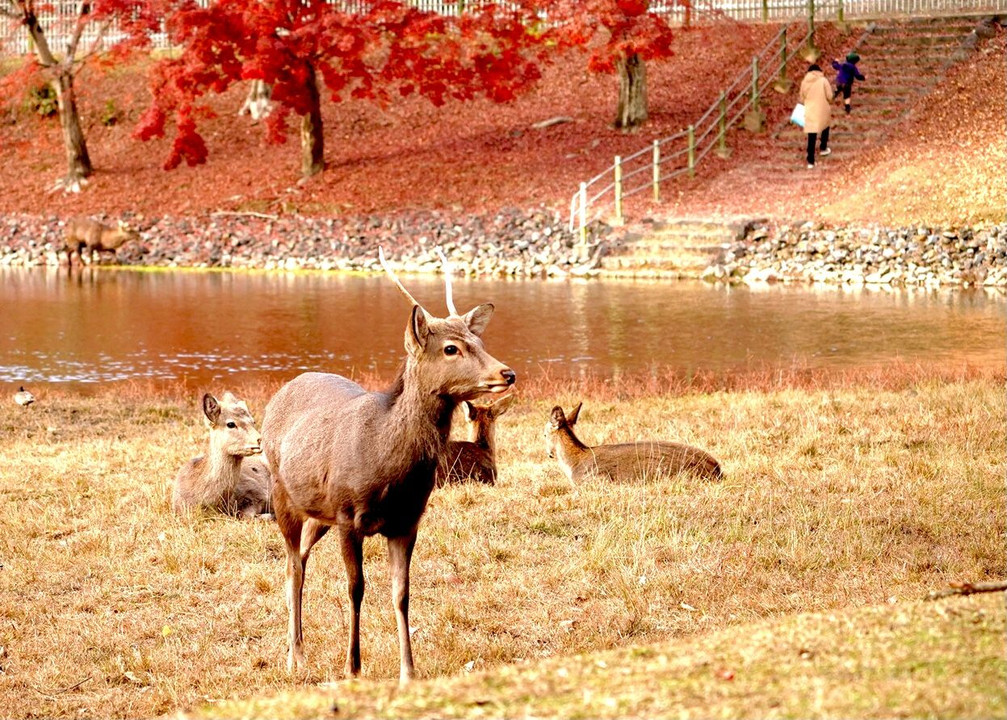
{"x":110,"y":325}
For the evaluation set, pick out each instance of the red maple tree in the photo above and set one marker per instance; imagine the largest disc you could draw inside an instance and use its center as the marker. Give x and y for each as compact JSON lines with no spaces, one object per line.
{"x":621,"y":35}
{"x":371,"y":49}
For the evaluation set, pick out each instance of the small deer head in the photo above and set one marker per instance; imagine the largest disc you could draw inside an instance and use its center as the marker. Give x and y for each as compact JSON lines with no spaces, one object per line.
{"x":558,"y":425}
{"x":480,"y":420}
{"x":232,"y":428}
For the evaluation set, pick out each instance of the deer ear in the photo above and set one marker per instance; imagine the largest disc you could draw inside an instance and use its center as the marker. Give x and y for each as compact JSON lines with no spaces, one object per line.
{"x":557,"y":419}
{"x":572,"y":418}
{"x":478,"y":318}
{"x":418,"y":331}
{"x":502,"y":405}
{"x":211,"y":408}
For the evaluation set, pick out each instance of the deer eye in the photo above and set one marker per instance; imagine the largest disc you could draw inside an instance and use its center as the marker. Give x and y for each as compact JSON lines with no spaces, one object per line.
{"x":451,"y":350}
{"x":231,"y":424}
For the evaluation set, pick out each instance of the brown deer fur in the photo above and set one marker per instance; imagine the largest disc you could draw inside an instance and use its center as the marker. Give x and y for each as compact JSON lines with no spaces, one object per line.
{"x":363,"y":462}
{"x":475,"y":457}
{"x":622,"y":462}
{"x":226,"y":478}
{"x":84,"y":233}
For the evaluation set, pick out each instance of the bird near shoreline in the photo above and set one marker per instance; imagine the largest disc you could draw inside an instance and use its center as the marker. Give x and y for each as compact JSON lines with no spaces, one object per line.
{"x":23,"y":397}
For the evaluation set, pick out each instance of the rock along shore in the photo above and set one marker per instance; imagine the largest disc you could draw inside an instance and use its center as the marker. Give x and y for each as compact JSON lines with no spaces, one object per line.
{"x":535,"y":243}
{"x":911,"y":256}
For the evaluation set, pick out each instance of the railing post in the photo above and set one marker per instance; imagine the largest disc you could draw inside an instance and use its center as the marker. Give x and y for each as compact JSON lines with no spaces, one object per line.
{"x":722,"y":122}
{"x":657,"y":170}
{"x":618,"y":189}
{"x":765,"y":11}
{"x":783,"y":56}
{"x":755,"y":84}
{"x":582,"y":212}
{"x":692,"y":150}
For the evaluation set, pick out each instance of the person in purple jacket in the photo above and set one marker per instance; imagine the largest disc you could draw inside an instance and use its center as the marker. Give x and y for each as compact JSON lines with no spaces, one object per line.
{"x":847,"y":74}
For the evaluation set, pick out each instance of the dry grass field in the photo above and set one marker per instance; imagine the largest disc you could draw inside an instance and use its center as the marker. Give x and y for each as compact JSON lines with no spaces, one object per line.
{"x":800,"y":574}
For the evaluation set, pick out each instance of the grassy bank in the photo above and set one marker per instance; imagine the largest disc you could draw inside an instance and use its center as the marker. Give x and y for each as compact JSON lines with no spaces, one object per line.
{"x":797,"y":575}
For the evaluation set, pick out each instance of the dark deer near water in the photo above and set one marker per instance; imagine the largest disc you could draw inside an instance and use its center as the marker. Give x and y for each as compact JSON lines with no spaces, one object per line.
{"x":84,"y":233}
{"x":474,"y":458}
{"x":363,"y":462}
{"x":622,"y":462}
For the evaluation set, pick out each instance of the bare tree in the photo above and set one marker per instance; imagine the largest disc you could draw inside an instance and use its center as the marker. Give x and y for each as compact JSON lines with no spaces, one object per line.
{"x":60,"y":70}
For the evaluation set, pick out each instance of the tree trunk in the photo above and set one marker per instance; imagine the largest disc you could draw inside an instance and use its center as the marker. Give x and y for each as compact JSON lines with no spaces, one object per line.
{"x":78,"y":163}
{"x":632,"y":110}
{"x":312,"y":140}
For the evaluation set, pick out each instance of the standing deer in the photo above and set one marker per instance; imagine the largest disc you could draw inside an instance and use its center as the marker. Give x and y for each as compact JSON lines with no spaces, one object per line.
{"x":363,"y":462}
{"x":86,"y":233}
{"x":626,"y":461}
{"x":226,"y":478}
{"x":474,"y":458}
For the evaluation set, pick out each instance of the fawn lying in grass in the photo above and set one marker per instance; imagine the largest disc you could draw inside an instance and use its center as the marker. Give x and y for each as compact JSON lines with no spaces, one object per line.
{"x":622,"y":462}
{"x":474,"y":458}
{"x":226,"y":478}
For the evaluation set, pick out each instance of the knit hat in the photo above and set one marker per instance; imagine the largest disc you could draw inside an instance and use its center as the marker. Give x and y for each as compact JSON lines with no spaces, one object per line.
{"x":852,"y":58}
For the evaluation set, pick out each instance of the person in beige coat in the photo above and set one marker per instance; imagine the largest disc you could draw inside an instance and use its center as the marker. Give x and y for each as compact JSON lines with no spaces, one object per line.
{"x":817,"y":94}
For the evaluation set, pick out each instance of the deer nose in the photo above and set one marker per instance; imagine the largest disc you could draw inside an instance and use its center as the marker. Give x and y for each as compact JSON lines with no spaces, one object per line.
{"x":509,"y":375}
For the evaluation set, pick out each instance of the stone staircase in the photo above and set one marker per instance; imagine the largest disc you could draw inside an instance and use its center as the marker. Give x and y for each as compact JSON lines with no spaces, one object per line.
{"x":680,"y":248}
{"x":902,"y":63}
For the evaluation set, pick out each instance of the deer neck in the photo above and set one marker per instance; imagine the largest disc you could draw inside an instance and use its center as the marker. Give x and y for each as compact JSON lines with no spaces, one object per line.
{"x":223,"y":470}
{"x":420,"y":420}
{"x":569,"y":449}
{"x":115,"y":239}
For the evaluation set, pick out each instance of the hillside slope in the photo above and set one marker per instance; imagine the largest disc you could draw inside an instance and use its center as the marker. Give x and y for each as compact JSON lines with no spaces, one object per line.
{"x":945,"y":165}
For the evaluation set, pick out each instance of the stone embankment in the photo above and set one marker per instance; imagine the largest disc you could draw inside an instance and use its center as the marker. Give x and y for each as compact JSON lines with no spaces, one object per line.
{"x":535,"y":243}
{"x":510,"y":243}
{"x":911,"y":256}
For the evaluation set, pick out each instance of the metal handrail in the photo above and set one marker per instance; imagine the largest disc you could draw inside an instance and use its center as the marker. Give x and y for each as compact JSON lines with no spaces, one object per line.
{"x":710,"y":129}
{"x":700,"y":138}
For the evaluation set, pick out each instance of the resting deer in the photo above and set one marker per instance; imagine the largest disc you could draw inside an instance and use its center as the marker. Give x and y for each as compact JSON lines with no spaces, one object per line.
{"x":363,"y":462}
{"x":474,"y":458}
{"x":625,"y":461}
{"x":84,"y":233}
{"x":226,"y":478}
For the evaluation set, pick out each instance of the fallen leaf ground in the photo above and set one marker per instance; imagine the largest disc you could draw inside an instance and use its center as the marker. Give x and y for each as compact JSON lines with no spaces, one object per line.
{"x":478,"y":157}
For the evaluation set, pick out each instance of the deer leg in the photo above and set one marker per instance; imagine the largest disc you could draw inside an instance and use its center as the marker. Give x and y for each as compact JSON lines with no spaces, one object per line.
{"x":312,"y":532}
{"x":290,"y":525}
{"x":400,"y":553}
{"x":353,"y":558}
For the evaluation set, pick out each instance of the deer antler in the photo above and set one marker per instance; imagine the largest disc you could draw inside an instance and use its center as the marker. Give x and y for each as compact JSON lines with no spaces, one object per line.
{"x":448,"y":295}
{"x":394,"y":277}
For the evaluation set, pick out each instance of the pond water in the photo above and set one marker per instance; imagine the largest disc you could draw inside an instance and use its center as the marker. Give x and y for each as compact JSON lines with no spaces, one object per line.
{"x":108,"y":325}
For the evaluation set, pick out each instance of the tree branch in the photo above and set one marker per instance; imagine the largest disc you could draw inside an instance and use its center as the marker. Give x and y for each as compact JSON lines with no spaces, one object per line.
{"x":967,"y":588}
{"x":28,"y":18}
{"x":98,"y":38}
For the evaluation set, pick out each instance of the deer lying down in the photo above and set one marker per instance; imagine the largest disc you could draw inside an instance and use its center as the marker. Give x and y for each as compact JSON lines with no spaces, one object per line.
{"x":474,"y":458}
{"x":226,"y":478}
{"x":623,"y":462}
{"x":85,"y":233}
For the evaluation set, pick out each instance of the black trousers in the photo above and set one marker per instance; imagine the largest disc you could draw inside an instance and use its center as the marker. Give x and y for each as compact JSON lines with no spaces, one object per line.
{"x":812,"y":138}
{"x":846,"y":89}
